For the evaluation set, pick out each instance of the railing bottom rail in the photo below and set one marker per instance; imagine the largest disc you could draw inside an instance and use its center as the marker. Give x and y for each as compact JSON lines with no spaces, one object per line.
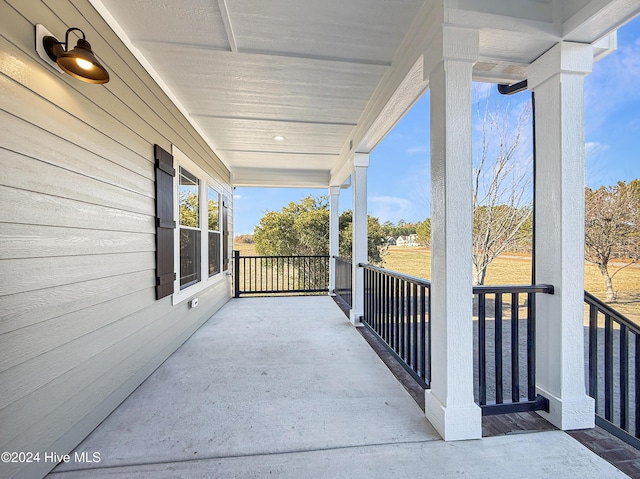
{"x":540,"y":403}
{"x":617,"y":432}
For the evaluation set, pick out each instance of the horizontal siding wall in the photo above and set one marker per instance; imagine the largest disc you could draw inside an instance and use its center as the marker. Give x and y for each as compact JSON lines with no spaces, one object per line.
{"x":80,"y":327}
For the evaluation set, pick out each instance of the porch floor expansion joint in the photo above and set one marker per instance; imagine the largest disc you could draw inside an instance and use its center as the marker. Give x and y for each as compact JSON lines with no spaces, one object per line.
{"x":243,"y":456}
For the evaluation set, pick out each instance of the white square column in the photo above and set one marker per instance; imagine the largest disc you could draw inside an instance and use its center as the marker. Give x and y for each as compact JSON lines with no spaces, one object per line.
{"x":360,"y":231}
{"x":334,"y":235}
{"x":557,"y":78}
{"x":449,"y":404}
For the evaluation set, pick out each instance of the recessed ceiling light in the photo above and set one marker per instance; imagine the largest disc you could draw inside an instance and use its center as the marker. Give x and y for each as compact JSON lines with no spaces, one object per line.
{"x":278,"y":138}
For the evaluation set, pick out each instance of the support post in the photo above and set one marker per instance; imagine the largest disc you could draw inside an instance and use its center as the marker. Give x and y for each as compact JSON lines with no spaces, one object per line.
{"x":449,"y":404}
{"x":334,"y":235}
{"x":557,"y":78}
{"x":360,"y":234}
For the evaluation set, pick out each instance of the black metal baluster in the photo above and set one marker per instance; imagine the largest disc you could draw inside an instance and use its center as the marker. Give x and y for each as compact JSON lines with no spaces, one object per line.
{"x":401,"y":319}
{"x":423,"y":340}
{"x":636,"y":374}
{"x":380,"y":301}
{"x":367,"y":298}
{"x":387,"y":328}
{"x":482,"y":370}
{"x":531,"y":346}
{"x":428,"y":342}
{"x":396,"y":316}
{"x":608,"y":367}
{"x":593,"y":353}
{"x":406,"y":293}
{"x":392,"y":317}
{"x":624,"y":378}
{"x":515,"y":348}
{"x":498,"y":346}
{"x":414,"y":323}
{"x":373,"y":296}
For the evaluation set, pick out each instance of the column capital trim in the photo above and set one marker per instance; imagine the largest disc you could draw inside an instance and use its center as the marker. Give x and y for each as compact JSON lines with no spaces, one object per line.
{"x":563,"y":57}
{"x":451,"y":44}
{"x":334,"y":190}
{"x":360,"y":159}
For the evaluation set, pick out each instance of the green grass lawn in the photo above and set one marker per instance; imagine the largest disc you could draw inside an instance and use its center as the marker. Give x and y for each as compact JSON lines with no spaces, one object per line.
{"x":512,"y":269}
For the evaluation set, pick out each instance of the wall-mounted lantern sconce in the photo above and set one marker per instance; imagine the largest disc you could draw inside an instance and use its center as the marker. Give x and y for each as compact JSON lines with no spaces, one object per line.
{"x":80,"y":62}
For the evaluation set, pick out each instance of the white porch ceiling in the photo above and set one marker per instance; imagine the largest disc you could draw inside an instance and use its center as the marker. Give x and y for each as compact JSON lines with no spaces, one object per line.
{"x":331,"y":76}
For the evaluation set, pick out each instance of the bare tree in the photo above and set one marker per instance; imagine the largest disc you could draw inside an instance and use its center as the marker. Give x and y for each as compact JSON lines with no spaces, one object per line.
{"x":502,"y":206}
{"x":612,"y":228}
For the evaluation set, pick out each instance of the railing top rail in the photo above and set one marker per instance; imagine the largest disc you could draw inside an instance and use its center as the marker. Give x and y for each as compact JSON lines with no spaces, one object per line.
{"x":605,"y":308}
{"x":414,"y":279}
{"x":514,"y":288}
{"x":289,"y":256}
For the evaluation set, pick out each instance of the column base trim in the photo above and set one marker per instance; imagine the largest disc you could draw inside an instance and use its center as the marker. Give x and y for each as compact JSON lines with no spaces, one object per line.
{"x":355,"y":318}
{"x":453,"y":423}
{"x":568,"y":414}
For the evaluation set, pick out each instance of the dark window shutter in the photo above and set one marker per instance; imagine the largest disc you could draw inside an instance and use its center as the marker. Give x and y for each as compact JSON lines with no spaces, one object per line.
{"x":165,"y":223}
{"x":225,"y":233}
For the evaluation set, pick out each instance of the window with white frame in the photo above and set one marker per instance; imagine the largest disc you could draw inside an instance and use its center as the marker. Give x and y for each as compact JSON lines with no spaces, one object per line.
{"x":190,"y":230}
{"x":198,"y":254}
{"x":213,"y":207}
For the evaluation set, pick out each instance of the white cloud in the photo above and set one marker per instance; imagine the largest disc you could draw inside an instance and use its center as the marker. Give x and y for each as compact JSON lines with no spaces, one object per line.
{"x":612,"y":86}
{"x":390,"y":208}
{"x":418,"y":149}
{"x":237,"y":197}
{"x":593,"y":148}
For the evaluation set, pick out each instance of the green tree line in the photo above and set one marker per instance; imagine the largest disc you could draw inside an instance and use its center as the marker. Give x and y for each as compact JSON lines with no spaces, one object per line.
{"x":612,"y":231}
{"x":303,"y":229}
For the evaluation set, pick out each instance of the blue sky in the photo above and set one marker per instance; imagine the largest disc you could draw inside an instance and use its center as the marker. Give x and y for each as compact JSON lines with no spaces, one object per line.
{"x":398,"y":175}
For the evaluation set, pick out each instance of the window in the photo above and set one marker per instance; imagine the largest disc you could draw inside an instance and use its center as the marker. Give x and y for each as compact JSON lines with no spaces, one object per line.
{"x":213,"y":207}
{"x":198,"y":237}
{"x":190,"y":233}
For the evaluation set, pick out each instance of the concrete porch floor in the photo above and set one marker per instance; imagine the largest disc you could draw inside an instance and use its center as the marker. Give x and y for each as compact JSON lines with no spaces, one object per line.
{"x":287,"y":387}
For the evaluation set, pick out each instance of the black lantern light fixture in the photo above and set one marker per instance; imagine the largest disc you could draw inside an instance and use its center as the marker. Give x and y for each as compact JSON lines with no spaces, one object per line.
{"x":80,"y":62}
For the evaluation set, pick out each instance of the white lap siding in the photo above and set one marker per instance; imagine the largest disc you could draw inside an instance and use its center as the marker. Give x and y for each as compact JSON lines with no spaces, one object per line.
{"x":80,"y":327}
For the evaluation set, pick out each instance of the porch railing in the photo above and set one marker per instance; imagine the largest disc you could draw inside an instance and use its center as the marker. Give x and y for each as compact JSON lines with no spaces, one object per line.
{"x":505,"y":362}
{"x":343,"y":286}
{"x":396,"y":310}
{"x":613,"y":370}
{"x":280,"y":274}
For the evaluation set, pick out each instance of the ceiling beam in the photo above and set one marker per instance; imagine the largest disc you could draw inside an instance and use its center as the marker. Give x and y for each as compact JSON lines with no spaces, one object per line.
{"x":279,"y":178}
{"x":267,"y":53}
{"x":273,"y":120}
{"x":226,"y":19}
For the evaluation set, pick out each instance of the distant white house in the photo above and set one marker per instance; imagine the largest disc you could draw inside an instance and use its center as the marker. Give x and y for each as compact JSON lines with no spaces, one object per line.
{"x":391,"y":241}
{"x":410,"y":240}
